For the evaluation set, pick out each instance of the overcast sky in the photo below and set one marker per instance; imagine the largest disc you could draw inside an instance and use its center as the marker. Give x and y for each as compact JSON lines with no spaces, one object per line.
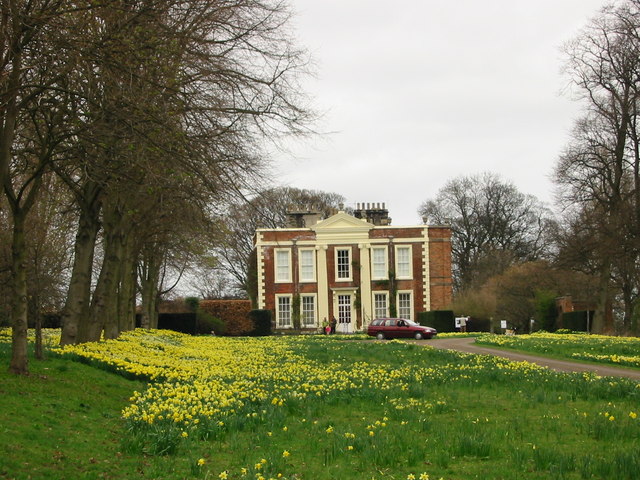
{"x":417,"y":93}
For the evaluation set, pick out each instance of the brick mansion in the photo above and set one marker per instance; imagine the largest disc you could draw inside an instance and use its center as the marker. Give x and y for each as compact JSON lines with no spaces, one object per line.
{"x":353,"y":268}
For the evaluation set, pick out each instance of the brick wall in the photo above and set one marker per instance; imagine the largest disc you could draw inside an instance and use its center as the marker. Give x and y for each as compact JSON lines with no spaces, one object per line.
{"x":441,"y":284}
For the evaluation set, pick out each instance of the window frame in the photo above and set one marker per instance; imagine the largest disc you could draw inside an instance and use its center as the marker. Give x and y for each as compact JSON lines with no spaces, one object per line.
{"x":374,"y":305}
{"x":385,"y":273}
{"x":301,"y":253}
{"x":405,"y":292}
{"x":409,"y":274}
{"x":349,"y":267}
{"x":279,"y":322}
{"x":276,"y":256}
{"x":314,"y":297}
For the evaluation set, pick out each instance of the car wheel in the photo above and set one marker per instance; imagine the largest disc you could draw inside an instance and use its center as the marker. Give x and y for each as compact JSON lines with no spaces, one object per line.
{"x":418,"y":336}
{"x":380,"y":336}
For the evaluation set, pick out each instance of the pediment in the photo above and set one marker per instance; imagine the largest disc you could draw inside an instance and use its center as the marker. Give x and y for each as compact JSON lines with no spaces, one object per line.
{"x":342,"y":222}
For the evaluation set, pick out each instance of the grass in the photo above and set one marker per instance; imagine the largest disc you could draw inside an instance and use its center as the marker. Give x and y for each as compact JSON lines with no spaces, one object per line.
{"x":329,"y":409}
{"x":600,"y":349}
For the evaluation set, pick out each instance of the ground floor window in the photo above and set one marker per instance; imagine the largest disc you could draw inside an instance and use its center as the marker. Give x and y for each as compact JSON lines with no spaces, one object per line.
{"x":284,"y":311}
{"x":404,"y":305}
{"x":380,"y":305}
{"x":308,"y":310}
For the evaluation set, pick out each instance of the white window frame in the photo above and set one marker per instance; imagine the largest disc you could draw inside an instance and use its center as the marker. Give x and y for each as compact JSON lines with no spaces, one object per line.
{"x":398,"y":306}
{"x":301,"y":254}
{"x":384,"y":275}
{"x":279,"y":320}
{"x":276,"y":274}
{"x":408,"y":275}
{"x":375,"y":309}
{"x":349,"y":259}
{"x":314,"y":297}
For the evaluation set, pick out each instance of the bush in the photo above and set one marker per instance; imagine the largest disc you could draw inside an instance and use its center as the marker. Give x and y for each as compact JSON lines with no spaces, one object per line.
{"x":192,"y":303}
{"x":261,"y":322}
{"x":207,"y":323}
{"x":442,"y":320}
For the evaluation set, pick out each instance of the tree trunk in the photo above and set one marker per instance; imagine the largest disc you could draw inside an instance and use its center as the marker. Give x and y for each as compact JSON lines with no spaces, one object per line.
{"x":600,"y":315}
{"x":75,"y":314}
{"x":150,"y":291}
{"x":19,"y":362}
{"x":104,"y":304}
{"x":127,"y":293}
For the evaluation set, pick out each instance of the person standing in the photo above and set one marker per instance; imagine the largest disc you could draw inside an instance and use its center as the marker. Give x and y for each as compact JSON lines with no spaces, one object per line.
{"x":333,"y":325}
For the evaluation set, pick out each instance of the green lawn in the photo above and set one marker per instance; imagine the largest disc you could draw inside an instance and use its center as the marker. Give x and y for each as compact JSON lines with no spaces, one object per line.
{"x":421,"y":412}
{"x":617,"y":351}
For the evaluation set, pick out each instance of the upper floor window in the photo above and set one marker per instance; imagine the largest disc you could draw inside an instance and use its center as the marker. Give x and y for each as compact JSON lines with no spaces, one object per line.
{"x":283,"y":265}
{"x":307,"y":265}
{"x":403,"y":262}
{"x":343,"y":264}
{"x":379,"y":268}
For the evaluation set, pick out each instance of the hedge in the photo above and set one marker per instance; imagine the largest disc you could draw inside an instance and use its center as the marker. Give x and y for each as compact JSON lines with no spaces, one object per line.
{"x":178,"y":322}
{"x":442,"y":320}
{"x":576,"y":321}
{"x":233,"y":313}
{"x":261,"y":321}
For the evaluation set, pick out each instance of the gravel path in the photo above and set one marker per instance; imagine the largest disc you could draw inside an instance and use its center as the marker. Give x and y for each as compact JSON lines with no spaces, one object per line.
{"x":467,"y":345}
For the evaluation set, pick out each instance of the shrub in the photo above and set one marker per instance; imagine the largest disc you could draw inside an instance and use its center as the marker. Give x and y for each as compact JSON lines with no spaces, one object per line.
{"x":207,"y":323}
{"x":192,"y":303}
{"x":261,"y":322}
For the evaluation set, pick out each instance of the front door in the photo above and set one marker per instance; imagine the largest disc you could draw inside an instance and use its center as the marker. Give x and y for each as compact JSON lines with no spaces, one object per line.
{"x":344,"y":314}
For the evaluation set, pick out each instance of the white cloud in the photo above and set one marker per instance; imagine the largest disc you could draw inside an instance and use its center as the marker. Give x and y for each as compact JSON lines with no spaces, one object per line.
{"x":419,"y":92}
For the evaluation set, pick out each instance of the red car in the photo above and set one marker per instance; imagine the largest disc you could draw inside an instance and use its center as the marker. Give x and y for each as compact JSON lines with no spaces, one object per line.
{"x":382,"y":328}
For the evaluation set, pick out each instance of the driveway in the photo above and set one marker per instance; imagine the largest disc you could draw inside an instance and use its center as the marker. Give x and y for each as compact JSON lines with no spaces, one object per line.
{"x":467,"y":345}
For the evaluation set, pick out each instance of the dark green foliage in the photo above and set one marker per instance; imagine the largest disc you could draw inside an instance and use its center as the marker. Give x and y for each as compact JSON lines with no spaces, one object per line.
{"x":576,"y":321}
{"x":207,"y":323}
{"x":441,"y":320}
{"x":261,"y":321}
{"x":295,"y":311}
{"x":192,"y":303}
{"x":178,"y":322}
{"x":478,"y":325}
{"x":545,"y":310}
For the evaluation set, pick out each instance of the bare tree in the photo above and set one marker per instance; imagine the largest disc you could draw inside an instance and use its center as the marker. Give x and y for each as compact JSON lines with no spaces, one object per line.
{"x":493,"y":225}
{"x":268,"y":209}
{"x":599,"y":169}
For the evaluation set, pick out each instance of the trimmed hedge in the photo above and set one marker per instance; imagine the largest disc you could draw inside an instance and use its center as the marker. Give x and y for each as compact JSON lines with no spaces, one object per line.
{"x":261,"y":322}
{"x":478,"y":325}
{"x":442,"y":320}
{"x":576,"y":321}
{"x":233,"y":313}
{"x":178,"y":322}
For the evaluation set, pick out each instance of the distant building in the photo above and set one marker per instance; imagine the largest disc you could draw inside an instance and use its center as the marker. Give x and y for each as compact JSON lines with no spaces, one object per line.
{"x":353,"y":268}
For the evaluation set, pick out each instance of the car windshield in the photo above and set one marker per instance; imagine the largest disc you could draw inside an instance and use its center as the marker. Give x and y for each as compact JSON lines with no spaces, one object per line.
{"x":412,"y":323}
